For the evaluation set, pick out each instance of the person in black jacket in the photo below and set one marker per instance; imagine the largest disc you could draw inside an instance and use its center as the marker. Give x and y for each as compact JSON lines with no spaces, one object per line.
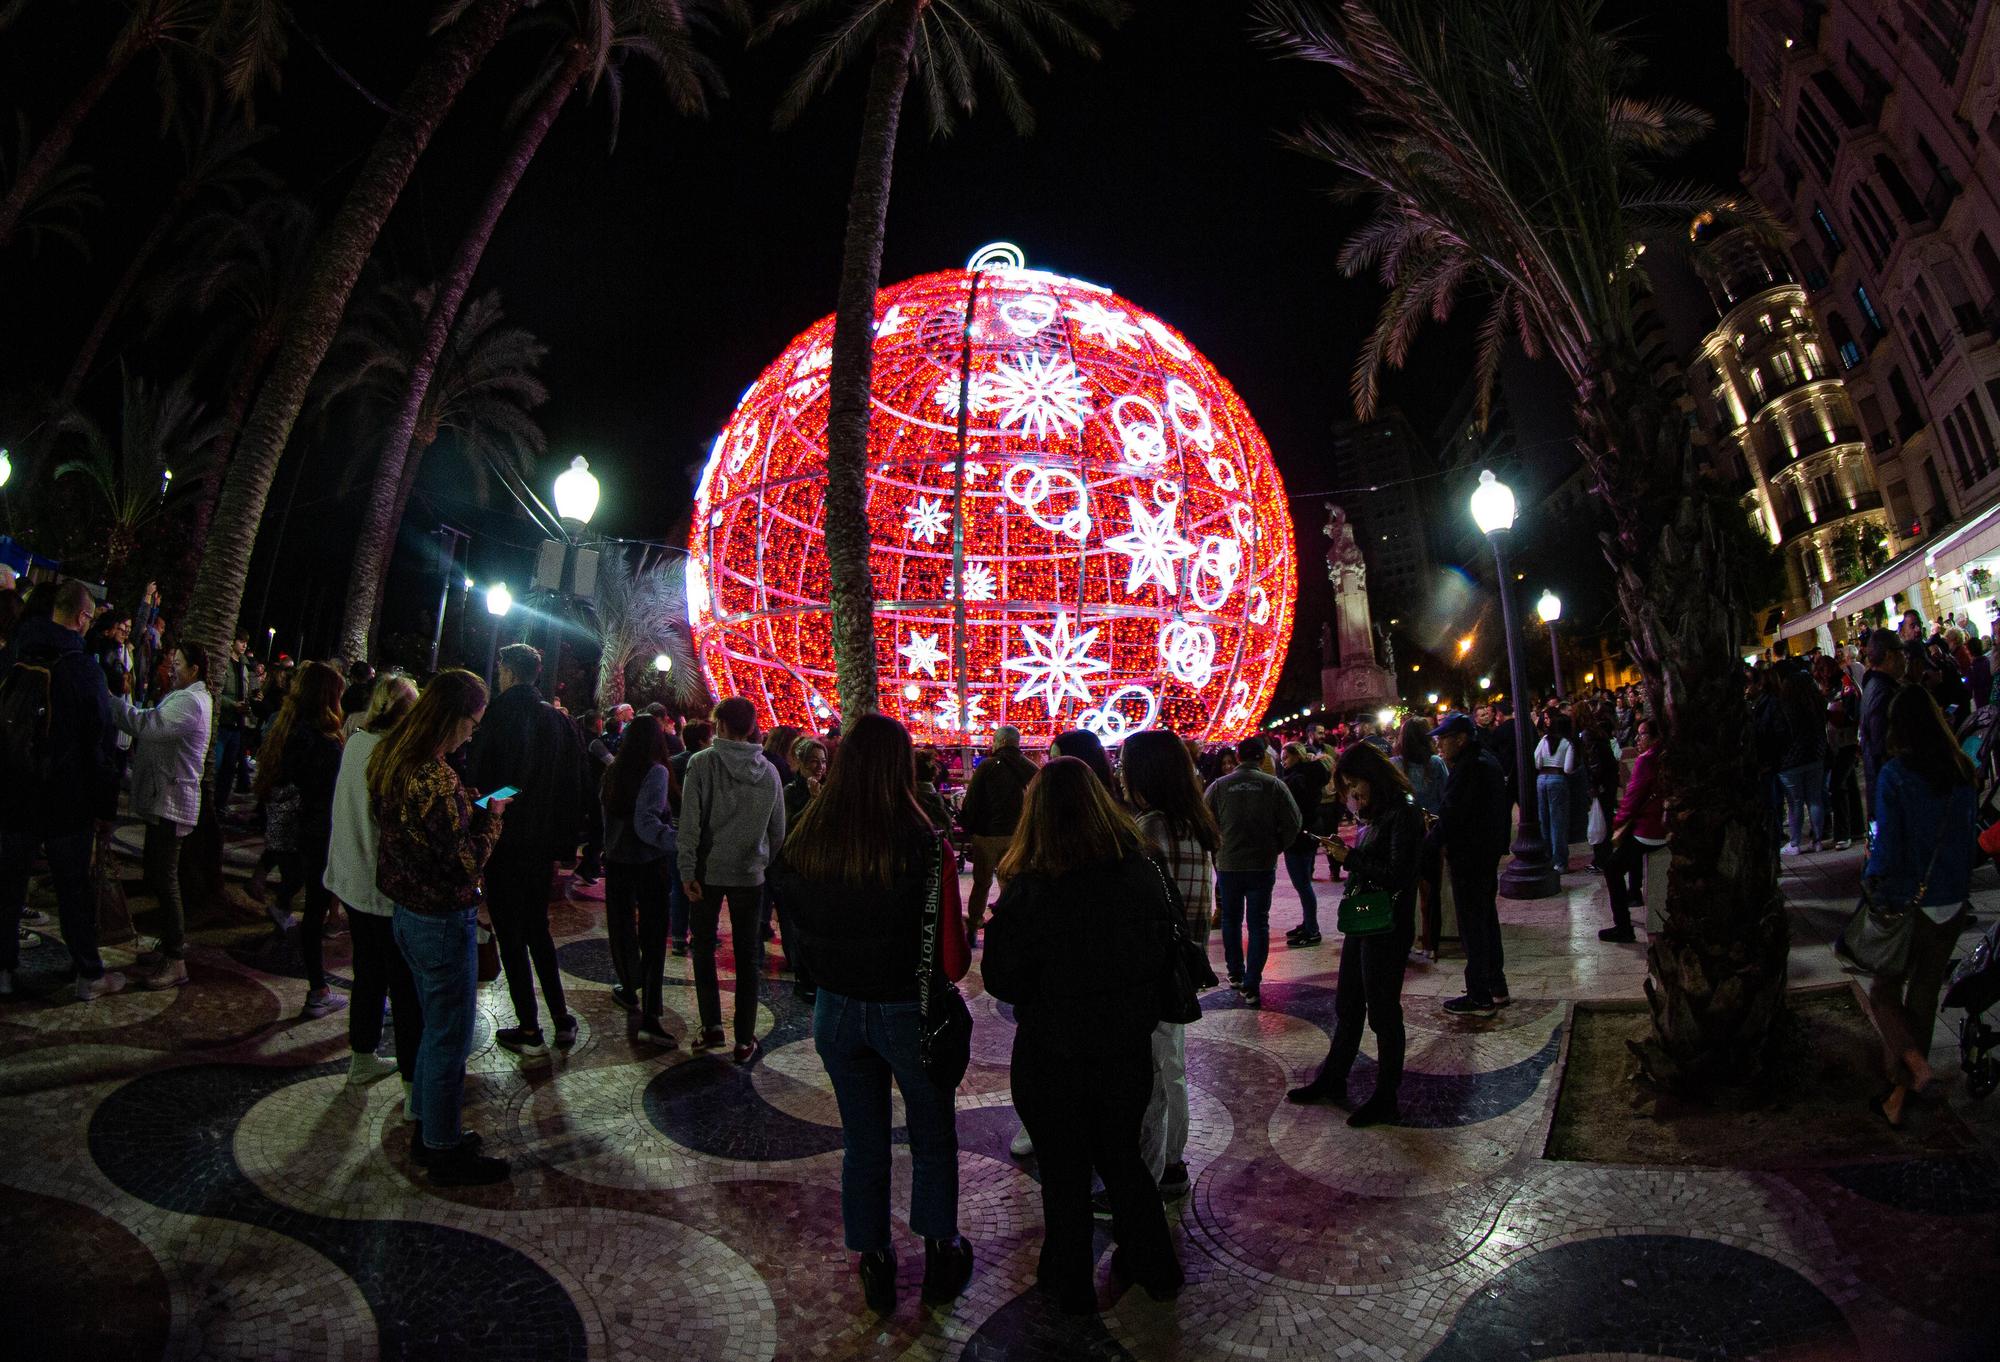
{"x":1388,"y":856}
{"x":529,"y":744}
{"x":1306,"y":776}
{"x":1802,"y":768}
{"x":302,"y":751}
{"x":857,"y":873}
{"x":1471,"y":831}
{"x":58,"y":808}
{"x":991,"y":808}
{"x":1078,"y":945}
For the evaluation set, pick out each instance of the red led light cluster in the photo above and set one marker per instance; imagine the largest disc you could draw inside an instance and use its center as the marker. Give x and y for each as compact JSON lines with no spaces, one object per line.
{"x":1127,"y":559}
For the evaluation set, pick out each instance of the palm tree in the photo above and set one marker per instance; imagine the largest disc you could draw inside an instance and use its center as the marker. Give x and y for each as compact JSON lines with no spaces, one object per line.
{"x":164,"y":437}
{"x":483,"y":390}
{"x":948,"y":49}
{"x":219,"y":164}
{"x":469,"y":30}
{"x":53,"y":210}
{"x":1501,"y":152}
{"x":592,"y":41}
{"x":642,"y":613}
{"x":250,"y":32}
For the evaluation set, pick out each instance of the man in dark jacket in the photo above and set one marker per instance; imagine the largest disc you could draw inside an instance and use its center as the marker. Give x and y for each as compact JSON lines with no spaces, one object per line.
{"x":1886,"y":662}
{"x":1259,"y":819}
{"x":1499,"y":740}
{"x":992,"y":807}
{"x":1471,"y":831}
{"x":529,"y":744}
{"x":58,"y":807}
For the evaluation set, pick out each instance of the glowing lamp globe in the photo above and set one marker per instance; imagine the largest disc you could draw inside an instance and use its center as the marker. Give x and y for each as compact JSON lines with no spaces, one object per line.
{"x":1115,"y":552}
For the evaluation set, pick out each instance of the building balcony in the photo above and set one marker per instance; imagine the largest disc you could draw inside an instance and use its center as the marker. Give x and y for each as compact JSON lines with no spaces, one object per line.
{"x":1798,"y":526}
{"x":1777,"y":455}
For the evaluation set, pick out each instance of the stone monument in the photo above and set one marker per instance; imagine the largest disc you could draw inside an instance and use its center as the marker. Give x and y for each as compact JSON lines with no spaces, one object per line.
{"x":1353,"y":679}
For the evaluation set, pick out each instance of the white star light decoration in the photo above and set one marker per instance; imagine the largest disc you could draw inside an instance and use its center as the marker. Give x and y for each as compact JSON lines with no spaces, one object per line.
{"x":926,"y":519}
{"x":922,"y":653}
{"x":979,"y":582}
{"x":1153,"y":546}
{"x":978,"y":394}
{"x":1057,"y":663}
{"x":947,"y":711}
{"x":1095,"y":321}
{"x":1038,"y":395}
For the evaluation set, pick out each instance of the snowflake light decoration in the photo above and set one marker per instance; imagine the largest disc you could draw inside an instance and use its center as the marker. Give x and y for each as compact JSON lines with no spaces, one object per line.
{"x":1127,"y":552}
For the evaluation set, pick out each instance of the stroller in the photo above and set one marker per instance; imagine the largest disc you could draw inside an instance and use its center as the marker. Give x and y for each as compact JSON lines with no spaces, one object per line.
{"x":1975,"y":987}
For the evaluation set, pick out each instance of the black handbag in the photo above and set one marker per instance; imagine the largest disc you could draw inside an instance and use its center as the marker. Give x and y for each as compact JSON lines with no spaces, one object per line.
{"x":1876,"y":939}
{"x":1187,"y":963}
{"x":944,"y":1022}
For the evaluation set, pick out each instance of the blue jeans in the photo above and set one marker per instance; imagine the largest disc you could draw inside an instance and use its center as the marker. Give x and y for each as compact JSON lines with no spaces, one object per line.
{"x":442,"y":950}
{"x":862,"y":1046}
{"x":1805,"y":793}
{"x":76,"y":902}
{"x":1552,"y":807}
{"x":1299,"y":865}
{"x":1242,"y":892}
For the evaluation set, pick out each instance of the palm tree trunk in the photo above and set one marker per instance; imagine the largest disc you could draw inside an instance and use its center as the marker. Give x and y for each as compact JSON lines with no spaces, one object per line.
{"x":1716,"y":981}
{"x":852,"y":376}
{"x":256,"y":355}
{"x":56,"y":142}
{"x":340,"y":253}
{"x":375,"y":544}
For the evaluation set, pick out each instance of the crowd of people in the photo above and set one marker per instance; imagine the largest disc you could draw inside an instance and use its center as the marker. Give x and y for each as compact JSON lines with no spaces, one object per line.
{"x":431,"y":816}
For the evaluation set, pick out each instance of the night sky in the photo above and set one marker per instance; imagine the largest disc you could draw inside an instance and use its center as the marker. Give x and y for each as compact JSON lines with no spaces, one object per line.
{"x":665,"y":276}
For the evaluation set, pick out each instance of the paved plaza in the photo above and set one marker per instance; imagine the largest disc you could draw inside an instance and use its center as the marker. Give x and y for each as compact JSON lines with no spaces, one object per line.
{"x":189,"y":1176}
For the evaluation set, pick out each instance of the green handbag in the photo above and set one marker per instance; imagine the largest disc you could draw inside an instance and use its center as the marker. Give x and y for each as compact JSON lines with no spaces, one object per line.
{"x":1367,"y":911}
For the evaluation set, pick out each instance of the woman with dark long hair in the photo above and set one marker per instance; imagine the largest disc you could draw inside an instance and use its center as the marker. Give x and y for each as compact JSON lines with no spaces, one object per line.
{"x":1924,"y":839}
{"x":857,"y":874}
{"x":1077,"y":945}
{"x":299,"y":764}
{"x":1370,"y":985}
{"x":638,"y":844}
{"x":1162,"y":784}
{"x":1087,"y":748}
{"x":435,"y":841}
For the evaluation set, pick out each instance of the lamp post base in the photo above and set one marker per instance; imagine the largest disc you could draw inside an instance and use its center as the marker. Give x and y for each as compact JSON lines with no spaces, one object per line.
{"x":1529,"y":875}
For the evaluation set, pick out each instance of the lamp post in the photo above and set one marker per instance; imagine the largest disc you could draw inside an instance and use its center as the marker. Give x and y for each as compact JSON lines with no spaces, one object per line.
{"x":1550,"y":608}
{"x":1529,"y":875}
{"x":576,"y":493}
{"x":452,"y":539}
{"x":499,"y":600}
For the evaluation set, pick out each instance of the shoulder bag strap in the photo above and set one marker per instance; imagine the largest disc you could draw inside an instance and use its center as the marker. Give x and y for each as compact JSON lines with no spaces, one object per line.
{"x":927,"y":954}
{"x":1924,"y":884}
{"x":1167,"y":896}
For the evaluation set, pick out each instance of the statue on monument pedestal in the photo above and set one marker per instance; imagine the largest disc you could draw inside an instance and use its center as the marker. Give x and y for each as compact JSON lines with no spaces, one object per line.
{"x":1356,"y":679}
{"x":1385,"y":648}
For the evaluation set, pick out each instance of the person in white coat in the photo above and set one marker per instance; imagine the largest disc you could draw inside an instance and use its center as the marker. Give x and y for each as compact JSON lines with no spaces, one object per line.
{"x":379,"y":968}
{"x":172,"y":744}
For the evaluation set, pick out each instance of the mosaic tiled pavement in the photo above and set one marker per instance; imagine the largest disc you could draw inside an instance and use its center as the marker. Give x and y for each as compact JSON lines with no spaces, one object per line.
{"x":189,"y":1176}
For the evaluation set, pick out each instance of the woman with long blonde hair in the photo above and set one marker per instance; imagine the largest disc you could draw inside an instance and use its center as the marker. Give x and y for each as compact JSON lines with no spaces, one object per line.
{"x":297,"y":769}
{"x":1078,"y":944}
{"x":379,"y":971}
{"x":435,"y":839}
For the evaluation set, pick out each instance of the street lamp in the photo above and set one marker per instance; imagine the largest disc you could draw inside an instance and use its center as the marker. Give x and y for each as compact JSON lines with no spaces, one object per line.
{"x":1486,"y":683}
{"x":1431,"y":698}
{"x":662,"y":663}
{"x":576,"y":495}
{"x":1550,"y":608}
{"x":6,"y":468}
{"x":1529,"y":875}
{"x":270,"y":643}
{"x":499,"y":600}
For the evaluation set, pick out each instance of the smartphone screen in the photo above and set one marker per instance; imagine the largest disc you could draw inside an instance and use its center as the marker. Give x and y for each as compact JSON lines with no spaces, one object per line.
{"x":504,"y":792}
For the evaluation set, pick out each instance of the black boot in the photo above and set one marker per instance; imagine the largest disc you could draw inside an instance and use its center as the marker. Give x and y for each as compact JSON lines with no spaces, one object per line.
{"x":1379,"y":1110}
{"x":1321,"y":1089}
{"x":878,"y":1280}
{"x":947,"y":1268}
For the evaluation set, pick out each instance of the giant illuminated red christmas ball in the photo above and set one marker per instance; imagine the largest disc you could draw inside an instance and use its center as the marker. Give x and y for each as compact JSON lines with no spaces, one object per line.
{"x":1127,"y":556}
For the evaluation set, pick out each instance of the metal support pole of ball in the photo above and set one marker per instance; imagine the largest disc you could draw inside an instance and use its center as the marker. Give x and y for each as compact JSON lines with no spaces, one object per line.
{"x":960,"y":673}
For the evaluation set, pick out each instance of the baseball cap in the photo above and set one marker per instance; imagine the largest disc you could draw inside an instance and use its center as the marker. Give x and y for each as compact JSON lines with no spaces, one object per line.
{"x":1453,"y":723}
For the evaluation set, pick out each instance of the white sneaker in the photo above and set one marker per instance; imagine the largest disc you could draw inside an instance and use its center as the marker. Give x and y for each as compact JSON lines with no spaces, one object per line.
{"x":1022,"y":1147}
{"x":368,"y":1068}
{"x":111,"y":981}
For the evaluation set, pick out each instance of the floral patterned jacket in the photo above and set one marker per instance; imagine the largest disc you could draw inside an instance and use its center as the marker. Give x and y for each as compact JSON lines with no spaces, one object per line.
{"x":434,"y":845}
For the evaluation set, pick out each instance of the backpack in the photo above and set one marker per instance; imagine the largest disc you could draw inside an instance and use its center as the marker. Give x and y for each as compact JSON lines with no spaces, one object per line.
{"x":27,"y":749}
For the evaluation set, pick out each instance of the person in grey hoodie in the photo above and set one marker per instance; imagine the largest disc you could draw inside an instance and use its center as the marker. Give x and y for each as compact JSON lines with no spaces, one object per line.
{"x":1259,"y":819}
{"x":732,"y":825}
